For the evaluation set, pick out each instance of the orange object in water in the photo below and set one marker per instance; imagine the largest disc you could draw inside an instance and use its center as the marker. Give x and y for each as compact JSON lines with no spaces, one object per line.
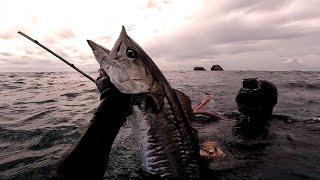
{"x":211,"y":151}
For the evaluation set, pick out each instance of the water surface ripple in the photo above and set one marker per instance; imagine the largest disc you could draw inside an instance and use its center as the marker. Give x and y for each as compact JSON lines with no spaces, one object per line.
{"x":43,"y":114}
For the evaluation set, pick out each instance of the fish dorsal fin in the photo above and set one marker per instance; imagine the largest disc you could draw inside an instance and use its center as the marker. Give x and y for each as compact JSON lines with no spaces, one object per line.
{"x":122,"y":38}
{"x":98,"y":50}
{"x":185,"y":103}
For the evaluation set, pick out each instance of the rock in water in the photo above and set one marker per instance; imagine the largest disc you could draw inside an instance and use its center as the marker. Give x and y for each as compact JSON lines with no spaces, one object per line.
{"x":216,"y":68}
{"x":198,"y":68}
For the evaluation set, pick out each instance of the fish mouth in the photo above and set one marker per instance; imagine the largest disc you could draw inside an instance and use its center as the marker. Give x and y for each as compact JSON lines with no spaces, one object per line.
{"x":148,"y":102}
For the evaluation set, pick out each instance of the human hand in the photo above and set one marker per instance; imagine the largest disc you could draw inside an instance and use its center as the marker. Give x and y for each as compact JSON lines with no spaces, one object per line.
{"x":108,"y":90}
{"x":103,"y":82}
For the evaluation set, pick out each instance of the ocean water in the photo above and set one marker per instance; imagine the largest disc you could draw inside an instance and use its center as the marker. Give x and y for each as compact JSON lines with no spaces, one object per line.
{"x":43,"y":114}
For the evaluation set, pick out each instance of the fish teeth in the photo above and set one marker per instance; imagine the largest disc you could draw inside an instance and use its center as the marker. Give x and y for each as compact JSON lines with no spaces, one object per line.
{"x":165,"y":175}
{"x":152,"y":140}
{"x":153,"y":159}
{"x":164,"y":169}
{"x":160,"y":153}
{"x":171,"y":126}
{"x":160,"y":163}
{"x":193,"y":166}
{"x":152,"y":146}
{"x":171,"y":117}
{"x":164,"y":161}
{"x":151,"y":153}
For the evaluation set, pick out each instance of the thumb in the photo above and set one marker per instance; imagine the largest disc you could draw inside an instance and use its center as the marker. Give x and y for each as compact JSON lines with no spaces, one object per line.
{"x":102,"y":73}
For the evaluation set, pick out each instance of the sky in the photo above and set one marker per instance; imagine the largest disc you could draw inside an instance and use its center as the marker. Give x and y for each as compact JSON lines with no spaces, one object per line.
{"x":269,"y":35}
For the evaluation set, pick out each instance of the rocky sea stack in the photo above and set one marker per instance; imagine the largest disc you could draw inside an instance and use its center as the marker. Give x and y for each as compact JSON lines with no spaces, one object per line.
{"x":216,"y":68}
{"x":198,"y":68}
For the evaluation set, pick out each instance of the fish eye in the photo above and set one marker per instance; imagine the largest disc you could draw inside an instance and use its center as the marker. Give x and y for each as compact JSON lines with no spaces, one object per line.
{"x":131,"y":53}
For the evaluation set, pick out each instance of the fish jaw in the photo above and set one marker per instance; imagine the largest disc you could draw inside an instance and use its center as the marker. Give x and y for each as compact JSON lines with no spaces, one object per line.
{"x":127,"y":77}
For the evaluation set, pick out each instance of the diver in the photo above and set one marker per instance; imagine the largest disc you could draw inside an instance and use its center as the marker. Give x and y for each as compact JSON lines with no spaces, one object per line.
{"x":88,"y":158}
{"x":255,"y":101}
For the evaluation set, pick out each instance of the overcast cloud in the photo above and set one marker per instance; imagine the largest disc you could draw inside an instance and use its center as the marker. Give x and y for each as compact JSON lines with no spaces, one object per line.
{"x":238,"y":35}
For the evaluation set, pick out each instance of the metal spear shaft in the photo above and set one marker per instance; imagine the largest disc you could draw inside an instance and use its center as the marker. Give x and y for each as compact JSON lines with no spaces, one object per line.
{"x":58,"y":56}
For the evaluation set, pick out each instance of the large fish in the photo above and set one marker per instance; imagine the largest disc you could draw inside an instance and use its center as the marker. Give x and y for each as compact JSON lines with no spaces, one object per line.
{"x":160,"y":115}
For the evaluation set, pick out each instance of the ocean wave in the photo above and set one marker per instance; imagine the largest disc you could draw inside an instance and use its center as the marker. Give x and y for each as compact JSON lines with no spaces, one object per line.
{"x":44,"y":115}
{"x":71,"y":95}
{"x":90,"y":90}
{"x":13,"y":135}
{"x":8,"y":86}
{"x":37,"y":115}
{"x":35,"y":102}
{"x":47,"y":140}
{"x":302,"y":85}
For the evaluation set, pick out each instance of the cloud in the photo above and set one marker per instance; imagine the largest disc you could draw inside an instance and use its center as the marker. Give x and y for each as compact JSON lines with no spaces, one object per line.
{"x":239,"y":35}
{"x":292,"y":61}
{"x":234,"y":30}
{"x":29,"y":52}
{"x":49,"y":40}
{"x":152,"y":4}
{"x":295,"y":64}
{"x":156,"y":4}
{"x":66,"y":34}
{"x":8,"y":35}
{"x":5,"y":54}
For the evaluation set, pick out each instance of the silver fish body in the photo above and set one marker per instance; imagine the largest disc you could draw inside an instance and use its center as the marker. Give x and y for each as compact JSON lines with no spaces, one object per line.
{"x":168,"y":144}
{"x":165,"y":142}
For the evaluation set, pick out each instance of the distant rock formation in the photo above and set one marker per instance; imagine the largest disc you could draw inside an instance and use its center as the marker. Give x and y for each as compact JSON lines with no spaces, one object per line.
{"x":198,"y":68}
{"x":216,"y":68}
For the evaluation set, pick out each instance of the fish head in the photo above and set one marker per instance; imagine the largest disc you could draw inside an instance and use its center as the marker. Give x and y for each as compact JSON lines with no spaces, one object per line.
{"x":130,"y":69}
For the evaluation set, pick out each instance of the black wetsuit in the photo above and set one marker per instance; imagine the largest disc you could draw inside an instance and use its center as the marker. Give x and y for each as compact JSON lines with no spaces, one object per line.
{"x":88,"y":158}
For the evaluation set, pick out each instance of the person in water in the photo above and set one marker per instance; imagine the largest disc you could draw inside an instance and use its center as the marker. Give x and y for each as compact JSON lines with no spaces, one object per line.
{"x":88,"y":158}
{"x":255,"y":101}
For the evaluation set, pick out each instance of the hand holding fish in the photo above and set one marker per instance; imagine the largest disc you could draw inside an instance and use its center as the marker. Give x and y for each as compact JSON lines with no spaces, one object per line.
{"x":88,"y":158}
{"x":106,"y":88}
{"x":103,"y":84}
{"x":103,"y":81}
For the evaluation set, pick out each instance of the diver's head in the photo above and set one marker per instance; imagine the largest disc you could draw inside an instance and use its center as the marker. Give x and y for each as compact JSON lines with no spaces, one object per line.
{"x":257,"y":98}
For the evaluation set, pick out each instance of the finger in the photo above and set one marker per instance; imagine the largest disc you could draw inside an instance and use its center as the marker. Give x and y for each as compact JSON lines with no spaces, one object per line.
{"x":102,"y":72}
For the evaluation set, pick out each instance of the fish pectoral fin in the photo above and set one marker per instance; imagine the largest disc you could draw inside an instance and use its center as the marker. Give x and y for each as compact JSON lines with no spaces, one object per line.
{"x":185,"y":103}
{"x":187,"y":109}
